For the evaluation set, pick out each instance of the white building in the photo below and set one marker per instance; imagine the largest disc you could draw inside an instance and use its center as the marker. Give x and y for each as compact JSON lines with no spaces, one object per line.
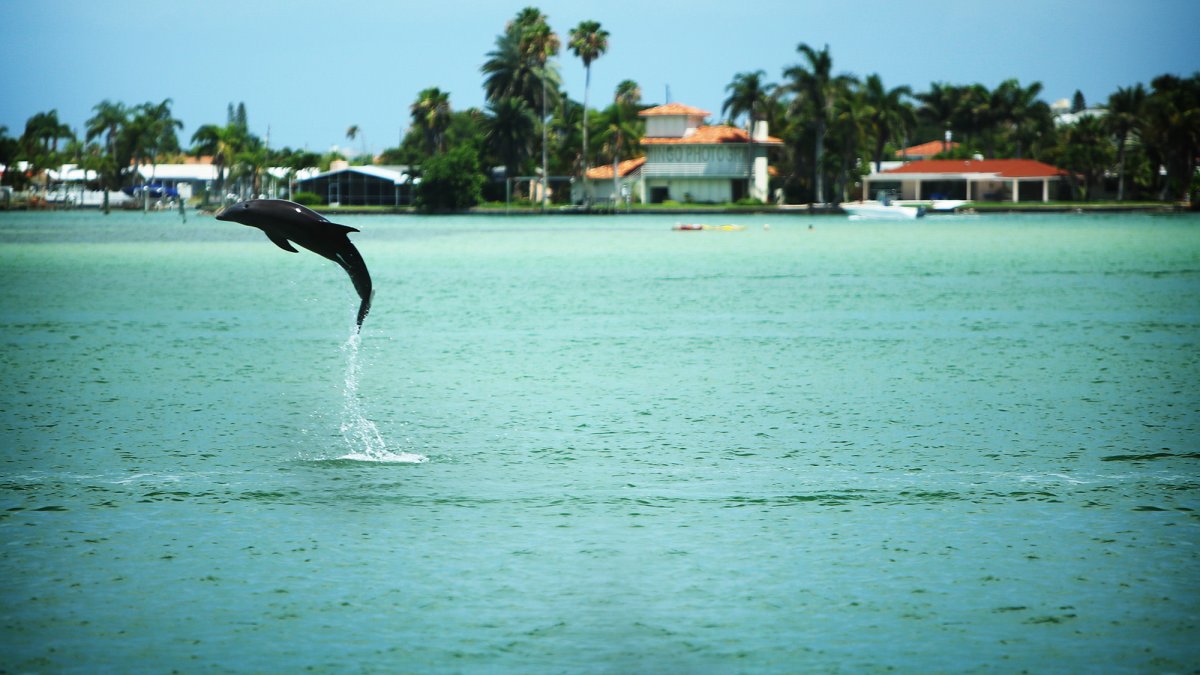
{"x":688,"y":161}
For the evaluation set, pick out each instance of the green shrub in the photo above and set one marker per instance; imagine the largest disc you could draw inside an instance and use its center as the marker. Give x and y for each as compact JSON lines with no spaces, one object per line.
{"x":307,"y":198}
{"x":450,"y":182}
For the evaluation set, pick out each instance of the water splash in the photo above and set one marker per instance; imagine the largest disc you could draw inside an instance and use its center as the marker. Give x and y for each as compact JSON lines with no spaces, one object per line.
{"x":362,"y":437}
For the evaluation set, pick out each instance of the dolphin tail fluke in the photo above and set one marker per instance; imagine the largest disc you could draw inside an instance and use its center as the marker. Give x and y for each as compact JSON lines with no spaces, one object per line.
{"x":352,"y":262}
{"x":363,"y":308}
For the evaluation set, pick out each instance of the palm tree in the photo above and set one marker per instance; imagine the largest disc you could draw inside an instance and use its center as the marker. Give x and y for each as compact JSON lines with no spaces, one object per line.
{"x":509,"y":129}
{"x":152,"y":131}
{"x":620,"y":127}
{"x":1125,"y":110}
{"x":108,"y":121}
{"x":628,"y":94}
{"x":938,"y":107}
{"x":1086,"y":150}
{"x":519,"y":66}
{"x":538,"y":44}
{"x":749,"y":96}
{"x":588,"y":41}
{"x":431,"y":115}
{"x":222,"y":144}
{"x":1171,"y":130}
{"x":813,"y":84}
{"x":889,"y":114}
{"x":849,"y":123}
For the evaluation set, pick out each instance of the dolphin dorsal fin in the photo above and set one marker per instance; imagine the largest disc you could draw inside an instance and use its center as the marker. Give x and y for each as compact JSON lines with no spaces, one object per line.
{"x":281,"y":242}
{"x":346,"y":229}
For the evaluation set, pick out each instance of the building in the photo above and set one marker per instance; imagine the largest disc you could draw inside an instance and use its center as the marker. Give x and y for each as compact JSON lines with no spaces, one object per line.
{"x":600,"y":180}
{"x":926,"y":150}
{"x":370,"y":185}
{"x":186,"y":180}
{"x":688,"y":161}
{"x":1013,"y":180}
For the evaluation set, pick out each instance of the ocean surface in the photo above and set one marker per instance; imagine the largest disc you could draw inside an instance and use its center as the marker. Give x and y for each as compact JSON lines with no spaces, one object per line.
{"x":597,"y":445}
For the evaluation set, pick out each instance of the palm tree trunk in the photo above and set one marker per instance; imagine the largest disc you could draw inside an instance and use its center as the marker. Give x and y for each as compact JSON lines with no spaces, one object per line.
{"x":1121,"y":170}
{"x":545,"y":151}
{"x":818,"y":154}
{"x":587,"y":83}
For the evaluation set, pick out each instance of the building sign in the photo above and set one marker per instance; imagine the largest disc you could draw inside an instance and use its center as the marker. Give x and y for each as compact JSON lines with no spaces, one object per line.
{"x":694,"y":154}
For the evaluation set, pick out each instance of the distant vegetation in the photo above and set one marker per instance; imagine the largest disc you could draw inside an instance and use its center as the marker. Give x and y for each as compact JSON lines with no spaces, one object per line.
{"x":1143,"y":145}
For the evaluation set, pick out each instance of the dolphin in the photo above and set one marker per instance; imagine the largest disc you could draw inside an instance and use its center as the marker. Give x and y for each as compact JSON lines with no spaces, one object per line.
{"x":287,"y":223}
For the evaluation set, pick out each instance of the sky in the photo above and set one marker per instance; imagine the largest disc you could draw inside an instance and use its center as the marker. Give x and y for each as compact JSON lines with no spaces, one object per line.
{"x":308,"y":70}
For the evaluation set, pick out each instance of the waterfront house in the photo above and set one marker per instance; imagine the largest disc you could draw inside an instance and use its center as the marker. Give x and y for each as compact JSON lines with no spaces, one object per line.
{"x":366,"y":185}
{"x":690,"y":162}
{"x":1015,"y":180}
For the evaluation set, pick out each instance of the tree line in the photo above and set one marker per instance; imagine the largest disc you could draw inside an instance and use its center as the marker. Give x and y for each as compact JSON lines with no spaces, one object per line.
{"x":836,"y":127}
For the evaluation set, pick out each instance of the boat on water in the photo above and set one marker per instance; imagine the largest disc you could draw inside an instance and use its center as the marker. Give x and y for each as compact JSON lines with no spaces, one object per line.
{"x":882,"y":208}
{"x":947,"y":205}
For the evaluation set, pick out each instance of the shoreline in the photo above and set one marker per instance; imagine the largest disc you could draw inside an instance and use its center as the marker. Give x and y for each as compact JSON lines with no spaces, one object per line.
{"x":979,"y":208}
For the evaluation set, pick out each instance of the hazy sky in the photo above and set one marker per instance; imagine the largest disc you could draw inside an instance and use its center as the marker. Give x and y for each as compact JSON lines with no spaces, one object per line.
{"x":309,"y":70}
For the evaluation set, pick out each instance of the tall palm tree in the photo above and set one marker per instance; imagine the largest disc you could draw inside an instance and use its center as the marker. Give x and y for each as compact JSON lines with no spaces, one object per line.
{"x":889,"y":114}
{"x":431,"y":115}
{"x":1125,"y":110}
{"x":749,"y":96}
{"x":813,"y":85}
{"x":538,"y":44}
{"x":588,"y":41}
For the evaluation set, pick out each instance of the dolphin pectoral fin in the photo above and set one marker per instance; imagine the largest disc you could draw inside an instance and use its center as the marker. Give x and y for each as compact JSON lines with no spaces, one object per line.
{"x":281,"y":242}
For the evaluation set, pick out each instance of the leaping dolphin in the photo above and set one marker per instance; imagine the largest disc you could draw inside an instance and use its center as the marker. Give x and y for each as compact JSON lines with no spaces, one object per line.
{"x":285,"y":222}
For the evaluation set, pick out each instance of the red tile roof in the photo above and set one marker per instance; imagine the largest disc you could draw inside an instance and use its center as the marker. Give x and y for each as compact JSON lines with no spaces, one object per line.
{"x":926,"y":149}
{"x":673,"y":109}
{"x":1003,"y":168}
{"x":623,"y":169}
{"x":714,"y":135}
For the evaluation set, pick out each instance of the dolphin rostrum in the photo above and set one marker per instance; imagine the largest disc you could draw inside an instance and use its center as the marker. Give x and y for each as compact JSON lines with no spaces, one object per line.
{"x":285,"y":222}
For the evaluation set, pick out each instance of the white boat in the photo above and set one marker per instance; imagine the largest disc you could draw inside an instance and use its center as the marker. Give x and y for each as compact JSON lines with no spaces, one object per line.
{"x":946,"y":205}
{"x":882,"y":209}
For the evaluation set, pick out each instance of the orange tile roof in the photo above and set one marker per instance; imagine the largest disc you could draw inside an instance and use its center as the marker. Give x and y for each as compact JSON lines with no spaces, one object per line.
{"x":926,"y":149}
{"x":713,"y":135}
{"x":673,"y":109}
{"x":623,"y":169}
{"x":1004,"y":168}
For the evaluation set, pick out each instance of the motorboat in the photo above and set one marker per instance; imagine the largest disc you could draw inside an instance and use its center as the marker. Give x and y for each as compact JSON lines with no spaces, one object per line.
{"x":882,"y":209}
{"x":947,"y":205}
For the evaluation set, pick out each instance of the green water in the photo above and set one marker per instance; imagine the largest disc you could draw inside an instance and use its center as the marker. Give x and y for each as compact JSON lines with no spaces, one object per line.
{"x":967,"y":444}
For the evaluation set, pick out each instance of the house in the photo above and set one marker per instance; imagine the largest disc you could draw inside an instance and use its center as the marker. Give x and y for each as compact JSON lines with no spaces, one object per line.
{"x":186,"y":179}
{"x":600,"y":180}
{"x":971,"y":179}
{"x":926,"y":150}
{"x":688,"y":161}
{"x":367,"y":185}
